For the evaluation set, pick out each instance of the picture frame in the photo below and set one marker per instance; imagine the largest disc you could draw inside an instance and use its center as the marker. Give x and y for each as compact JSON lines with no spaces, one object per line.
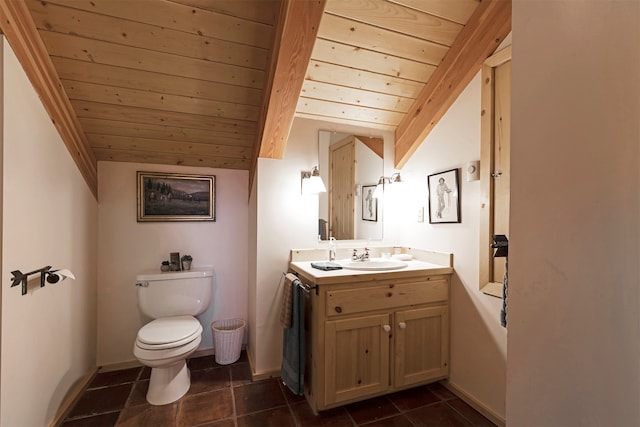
{"x":369,"y":204}
{"x":444,"y":197}
{"x":166,"y":197}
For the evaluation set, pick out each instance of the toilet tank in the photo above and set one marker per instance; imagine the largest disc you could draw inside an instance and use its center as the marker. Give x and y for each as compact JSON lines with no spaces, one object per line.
{"x":174,"y":293}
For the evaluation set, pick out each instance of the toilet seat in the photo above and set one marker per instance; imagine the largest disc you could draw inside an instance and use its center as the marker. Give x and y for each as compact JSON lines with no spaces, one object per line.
{"x":168,"y":332}
{"x":151,"y":357}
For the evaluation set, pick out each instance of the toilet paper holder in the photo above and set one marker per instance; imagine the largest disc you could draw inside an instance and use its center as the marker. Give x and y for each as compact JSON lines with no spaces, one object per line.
{"x":46,"y":274}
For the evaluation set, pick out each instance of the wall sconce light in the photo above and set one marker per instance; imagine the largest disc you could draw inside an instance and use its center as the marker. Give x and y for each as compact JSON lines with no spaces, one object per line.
{"x":312,"y":182}
{"x":393,"y":179}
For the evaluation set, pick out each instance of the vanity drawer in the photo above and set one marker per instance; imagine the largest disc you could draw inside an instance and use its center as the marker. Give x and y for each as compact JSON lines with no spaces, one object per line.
{"x":349,"y":301}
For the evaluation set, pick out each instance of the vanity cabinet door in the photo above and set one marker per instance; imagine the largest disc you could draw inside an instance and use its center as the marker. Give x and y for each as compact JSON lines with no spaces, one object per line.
{"x":356,"y":357}
{"x":421,"y":345}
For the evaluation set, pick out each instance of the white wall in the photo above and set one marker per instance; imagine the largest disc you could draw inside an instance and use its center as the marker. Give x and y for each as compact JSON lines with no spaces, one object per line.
{"x":285,"y":219}
{"x":574,"y":294}
{"x":478,"y":342}
{"x":50,"y":218}
{"x":127,"y":247}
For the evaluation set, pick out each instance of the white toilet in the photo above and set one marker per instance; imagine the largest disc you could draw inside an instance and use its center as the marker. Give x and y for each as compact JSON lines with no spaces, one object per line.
{"x":172,"y":299}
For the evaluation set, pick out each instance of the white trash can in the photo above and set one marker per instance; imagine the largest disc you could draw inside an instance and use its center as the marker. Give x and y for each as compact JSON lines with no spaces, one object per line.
{"x":227,"y":340}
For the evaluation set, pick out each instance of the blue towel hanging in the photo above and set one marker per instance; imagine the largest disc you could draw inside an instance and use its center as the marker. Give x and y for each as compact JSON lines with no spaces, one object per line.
{"x":292,"y":369}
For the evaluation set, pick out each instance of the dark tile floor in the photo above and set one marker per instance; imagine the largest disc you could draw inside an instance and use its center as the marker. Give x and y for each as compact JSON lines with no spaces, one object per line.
{"x":225,"y":396}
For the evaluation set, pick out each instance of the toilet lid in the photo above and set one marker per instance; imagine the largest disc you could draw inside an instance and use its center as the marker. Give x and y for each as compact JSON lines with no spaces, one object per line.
{"x":169,"y":330}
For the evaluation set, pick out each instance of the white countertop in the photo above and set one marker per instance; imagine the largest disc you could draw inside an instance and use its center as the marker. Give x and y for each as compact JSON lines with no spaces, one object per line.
{"x":413,"y":266}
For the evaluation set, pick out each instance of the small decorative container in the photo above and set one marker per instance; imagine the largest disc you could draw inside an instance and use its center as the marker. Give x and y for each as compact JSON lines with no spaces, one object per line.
{"x":165,"y":266}
{"x":174,"y":257}
{"x":186,"y":262}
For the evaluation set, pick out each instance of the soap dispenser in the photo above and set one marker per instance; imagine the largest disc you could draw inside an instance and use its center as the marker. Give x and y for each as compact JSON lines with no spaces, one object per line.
{"x":332,"y":248}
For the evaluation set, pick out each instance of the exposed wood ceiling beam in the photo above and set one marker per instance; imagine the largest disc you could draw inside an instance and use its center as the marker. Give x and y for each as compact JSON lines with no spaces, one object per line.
{"x":294,"y":39}
{"x":21,"y":32}
{"x":485,"y":30}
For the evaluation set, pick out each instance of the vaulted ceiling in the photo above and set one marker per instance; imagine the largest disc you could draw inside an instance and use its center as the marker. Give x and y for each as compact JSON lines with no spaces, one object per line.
{"x":218,"y":82}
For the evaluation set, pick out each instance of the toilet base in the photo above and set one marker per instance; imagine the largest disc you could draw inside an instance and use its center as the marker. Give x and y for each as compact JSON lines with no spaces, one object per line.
{"x":168,"y":383}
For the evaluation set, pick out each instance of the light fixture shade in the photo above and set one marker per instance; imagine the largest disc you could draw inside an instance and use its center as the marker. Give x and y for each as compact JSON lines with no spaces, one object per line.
{"x":316,"y":185}
{"x":378,"y":193}
{"x":312,"y":182}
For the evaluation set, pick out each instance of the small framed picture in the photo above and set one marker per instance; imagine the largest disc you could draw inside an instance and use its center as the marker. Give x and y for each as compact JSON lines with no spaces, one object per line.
{"x":176,"y":197}
{"x":444,"y":197}
{"x":369,"y":204}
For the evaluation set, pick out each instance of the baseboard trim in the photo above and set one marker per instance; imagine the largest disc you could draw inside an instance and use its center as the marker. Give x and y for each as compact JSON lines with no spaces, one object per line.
{"x":474,"y":403}
{"x":119,"y":365}
{"x":136,"y":364}
{"x":258,"y":376}
{"x":72,"y":398}
{"x":264,"y":375}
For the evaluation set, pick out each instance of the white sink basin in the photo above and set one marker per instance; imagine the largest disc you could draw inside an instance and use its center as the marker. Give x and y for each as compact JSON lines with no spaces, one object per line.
{"x":374,"y":265}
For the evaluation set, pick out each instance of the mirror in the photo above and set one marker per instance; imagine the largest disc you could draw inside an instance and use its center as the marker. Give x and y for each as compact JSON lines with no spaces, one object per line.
{"x":350,"y":166}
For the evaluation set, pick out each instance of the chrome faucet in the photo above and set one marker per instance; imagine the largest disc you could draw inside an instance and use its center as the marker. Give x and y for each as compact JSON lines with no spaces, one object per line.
{"x":362,"y":257}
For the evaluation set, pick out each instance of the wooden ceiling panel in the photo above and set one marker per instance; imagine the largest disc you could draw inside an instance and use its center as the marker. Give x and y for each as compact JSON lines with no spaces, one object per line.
{"x":158,"y":157}
{"x":261,"y":11}
{"x":385,"y":51}
{"x":144,"y":99}
{"x":109,"y":75}
{"x":351,"y":96}
{"x":377,"y":39}
{"x":178,"y":82}
{"x":357,"y":58}
{"x":181,"y":17}
{"x":112,"y":112}
{"x":363,"y":115}
{"x":360,"y":79}
{"x":217,"y":82}
{"x":219,"y":136}
{"x":397,"y":18}
{"x":90,"y":50}
{"x":372,"y":58}
{"x":175,"y":146}
{"x":453,"y":10}
{"x":110,"y":29}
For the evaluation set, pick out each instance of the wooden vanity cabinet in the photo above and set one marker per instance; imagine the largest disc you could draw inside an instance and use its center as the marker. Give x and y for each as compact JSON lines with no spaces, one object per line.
{"x":368,"y":336}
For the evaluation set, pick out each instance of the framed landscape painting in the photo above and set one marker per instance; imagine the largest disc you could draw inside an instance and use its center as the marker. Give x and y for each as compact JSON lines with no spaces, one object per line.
{"x":176,"y":197}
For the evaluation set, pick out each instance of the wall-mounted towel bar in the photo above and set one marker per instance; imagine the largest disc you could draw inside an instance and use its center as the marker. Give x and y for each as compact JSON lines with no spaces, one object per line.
{"x":306,"y":288}
{"x":51,"y":276}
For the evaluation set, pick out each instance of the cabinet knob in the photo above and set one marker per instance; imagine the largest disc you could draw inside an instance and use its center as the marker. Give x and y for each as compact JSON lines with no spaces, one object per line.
{"x":402,"y":325}
{"x":386,"y":328}
{"x":338,"y":309}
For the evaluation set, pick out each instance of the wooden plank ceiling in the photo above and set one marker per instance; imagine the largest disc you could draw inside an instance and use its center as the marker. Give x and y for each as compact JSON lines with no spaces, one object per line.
{"x":372,"y":58}
{"x":217,"y":82}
